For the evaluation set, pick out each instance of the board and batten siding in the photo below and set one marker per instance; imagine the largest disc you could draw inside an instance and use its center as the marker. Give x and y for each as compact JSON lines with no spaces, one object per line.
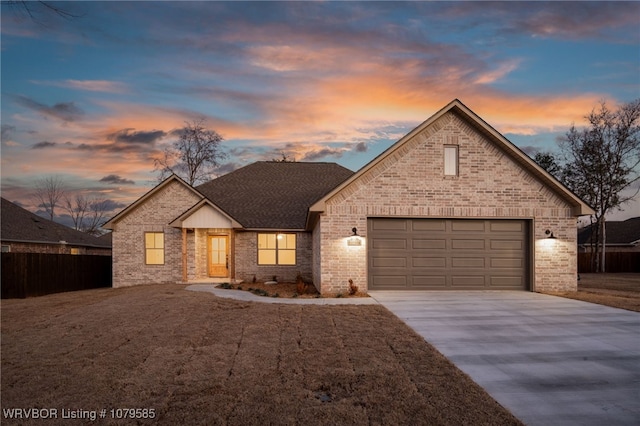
{"x":207,"y":217}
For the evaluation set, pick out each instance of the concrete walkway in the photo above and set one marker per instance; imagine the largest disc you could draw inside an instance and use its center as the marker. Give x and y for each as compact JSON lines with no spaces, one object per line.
{"x":549,"y":360}
{"x":250,"y":297}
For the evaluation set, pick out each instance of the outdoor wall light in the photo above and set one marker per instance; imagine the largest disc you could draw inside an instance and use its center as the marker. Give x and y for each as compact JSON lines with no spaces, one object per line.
{"x":550,"y":234}
{"x":354,"y":239}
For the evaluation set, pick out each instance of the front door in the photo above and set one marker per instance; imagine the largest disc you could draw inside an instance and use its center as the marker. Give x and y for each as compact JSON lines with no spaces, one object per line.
{"x":218,"y":249}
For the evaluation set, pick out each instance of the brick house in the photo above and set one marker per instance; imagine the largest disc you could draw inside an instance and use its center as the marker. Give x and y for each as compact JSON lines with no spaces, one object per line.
{"x":245,"y":224}
{"x":26,"y":232}
{"x":451,"y":205}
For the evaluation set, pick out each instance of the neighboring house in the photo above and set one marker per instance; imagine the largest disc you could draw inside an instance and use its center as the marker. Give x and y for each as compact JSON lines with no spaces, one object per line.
{"x":26,"y":232}
{"x":451,"y":205}
{"x":621,"y":236}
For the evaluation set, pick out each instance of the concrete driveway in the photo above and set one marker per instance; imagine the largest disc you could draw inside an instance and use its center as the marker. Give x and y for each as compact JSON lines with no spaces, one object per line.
{"x":549,"y":360}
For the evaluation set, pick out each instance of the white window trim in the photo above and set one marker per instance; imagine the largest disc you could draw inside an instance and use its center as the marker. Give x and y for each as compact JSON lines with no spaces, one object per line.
{"x":451,"y":157}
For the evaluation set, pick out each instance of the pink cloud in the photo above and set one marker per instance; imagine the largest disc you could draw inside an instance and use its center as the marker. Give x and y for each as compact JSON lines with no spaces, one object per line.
{"x":498,"y":73}
{"x":104,"y":86}
{"x":95,"y":85}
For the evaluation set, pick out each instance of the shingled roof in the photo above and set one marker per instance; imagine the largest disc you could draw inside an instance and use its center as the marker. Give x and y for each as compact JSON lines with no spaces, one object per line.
{"x":20,"y":225}
{"x":623,"y":233}
{"x":273,"y":195}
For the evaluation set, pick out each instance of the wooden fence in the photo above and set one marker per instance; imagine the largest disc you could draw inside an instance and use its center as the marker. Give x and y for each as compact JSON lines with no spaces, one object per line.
{"x":37,"y":274}
{"x":613,"y":262}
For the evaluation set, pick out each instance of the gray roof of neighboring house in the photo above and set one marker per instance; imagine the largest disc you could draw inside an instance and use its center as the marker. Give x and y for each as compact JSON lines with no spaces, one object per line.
{"x":273,"y":195}
{"x":617,"y":232}
{"x":20,"y":225}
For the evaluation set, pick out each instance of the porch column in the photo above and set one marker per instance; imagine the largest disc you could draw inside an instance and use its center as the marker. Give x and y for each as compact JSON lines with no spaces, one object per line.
{"x":184,"y":255}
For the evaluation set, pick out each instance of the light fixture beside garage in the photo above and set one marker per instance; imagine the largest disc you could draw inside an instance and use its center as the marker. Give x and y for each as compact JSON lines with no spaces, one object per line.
{"x":354,"y":239}
{"x":550,"y":234}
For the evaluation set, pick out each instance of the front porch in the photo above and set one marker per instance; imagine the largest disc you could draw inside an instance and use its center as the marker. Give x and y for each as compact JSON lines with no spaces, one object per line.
{"x":208,"y":255}
{"x":207,"y":244}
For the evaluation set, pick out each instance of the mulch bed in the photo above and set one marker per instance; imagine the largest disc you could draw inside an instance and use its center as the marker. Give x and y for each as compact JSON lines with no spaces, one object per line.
{"x":195,"y":359}
{"x":284,"y":289}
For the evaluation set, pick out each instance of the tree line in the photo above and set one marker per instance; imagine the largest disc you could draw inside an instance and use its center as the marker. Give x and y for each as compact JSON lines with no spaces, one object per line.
{"x":87,"y":214}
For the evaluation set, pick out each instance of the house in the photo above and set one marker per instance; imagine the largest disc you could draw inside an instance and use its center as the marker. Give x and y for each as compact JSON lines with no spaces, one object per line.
{"x":251,"y":222}
{"x":451,"y":205}
{"x":621,"y":236}
{"x":26,"y":232}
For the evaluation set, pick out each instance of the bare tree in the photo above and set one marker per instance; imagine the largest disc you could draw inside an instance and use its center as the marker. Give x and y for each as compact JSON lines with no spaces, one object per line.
{"x":194,"y":156}
{"x":284,"y":158}
{"x":49,"y":191}
{"x":35,"y":8}
{"x":77,"y":208}
{"x":601,"y":162}
{"x":88,"y":215}
{"x":96,"y":217}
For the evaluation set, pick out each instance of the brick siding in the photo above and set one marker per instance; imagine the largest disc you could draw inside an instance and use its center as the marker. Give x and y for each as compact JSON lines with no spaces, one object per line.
{"x":153,"y":215}
{"x":410,"y":182}
{"x":246,"y":249}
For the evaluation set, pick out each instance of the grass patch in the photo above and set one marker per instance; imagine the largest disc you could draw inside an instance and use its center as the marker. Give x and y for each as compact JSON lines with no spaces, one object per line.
{"x":615,"y":290}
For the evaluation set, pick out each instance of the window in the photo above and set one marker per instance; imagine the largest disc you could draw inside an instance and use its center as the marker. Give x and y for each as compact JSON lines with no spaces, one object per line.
{"x":451,"y":160}
{"x":6,"y":249}
{"x":75,"y":250}
{"x":154,"y":248}
{"x":276,"y":249}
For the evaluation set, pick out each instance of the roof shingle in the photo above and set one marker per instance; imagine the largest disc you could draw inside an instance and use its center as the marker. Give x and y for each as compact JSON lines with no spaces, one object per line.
{"x":19,"y":224}
{"x":617,"y":232}
{"x":273,"y":195}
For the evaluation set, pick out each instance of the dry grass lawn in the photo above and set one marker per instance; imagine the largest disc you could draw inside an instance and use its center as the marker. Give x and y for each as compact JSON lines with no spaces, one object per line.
{"x":616,"y":290}
{"x":198,"y":359}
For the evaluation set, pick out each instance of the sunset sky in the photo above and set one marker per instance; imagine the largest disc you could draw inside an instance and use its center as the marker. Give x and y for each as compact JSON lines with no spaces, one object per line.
{"x":95,"y":97}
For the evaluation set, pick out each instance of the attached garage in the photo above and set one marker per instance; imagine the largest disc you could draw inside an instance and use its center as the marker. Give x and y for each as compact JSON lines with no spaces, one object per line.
{"x":448,"y":254}
{"x":451,"y":205}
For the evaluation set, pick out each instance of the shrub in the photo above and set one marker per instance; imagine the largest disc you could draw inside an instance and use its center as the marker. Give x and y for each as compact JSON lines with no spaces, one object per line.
{"x":301,"y":286}
{"x":259,"y":292}
{"x":353,"y":289}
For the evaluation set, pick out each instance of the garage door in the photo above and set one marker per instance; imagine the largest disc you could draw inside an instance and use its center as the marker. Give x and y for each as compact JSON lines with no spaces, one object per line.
{"x":442,"y":254}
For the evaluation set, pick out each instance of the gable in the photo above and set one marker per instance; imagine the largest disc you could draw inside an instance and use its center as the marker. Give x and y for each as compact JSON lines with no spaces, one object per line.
{"x":492,"y":170}
{"x":204,"y":215}
{"x":180,"y":194}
